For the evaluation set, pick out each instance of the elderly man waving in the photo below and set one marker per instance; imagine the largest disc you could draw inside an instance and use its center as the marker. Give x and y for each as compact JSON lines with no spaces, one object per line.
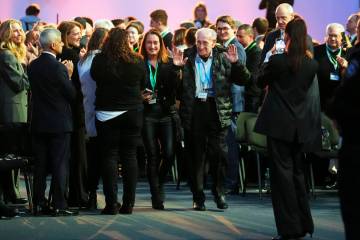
{"x":206,"y":106}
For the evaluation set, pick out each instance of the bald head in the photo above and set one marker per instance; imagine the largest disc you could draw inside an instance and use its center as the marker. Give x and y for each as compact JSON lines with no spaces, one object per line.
{"x":284,"y":13}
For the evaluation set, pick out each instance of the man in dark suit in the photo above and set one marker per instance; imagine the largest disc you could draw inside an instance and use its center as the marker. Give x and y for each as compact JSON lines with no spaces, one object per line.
{"x":245,"y":35}
{"x":271,"y":6}
{"x":330,"y":57}
{"x":284,"y":13}
{"x":51,"y":123}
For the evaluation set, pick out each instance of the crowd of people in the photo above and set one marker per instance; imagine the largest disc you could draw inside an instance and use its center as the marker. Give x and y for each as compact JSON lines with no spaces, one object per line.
{"x":81,"y":98}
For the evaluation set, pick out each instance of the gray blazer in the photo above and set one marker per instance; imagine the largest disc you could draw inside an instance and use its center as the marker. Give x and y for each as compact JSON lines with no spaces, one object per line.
{"x":13,"y":89}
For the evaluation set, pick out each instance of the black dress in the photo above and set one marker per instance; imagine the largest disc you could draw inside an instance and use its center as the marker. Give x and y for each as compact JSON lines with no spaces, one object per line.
{"x":78,"y":192}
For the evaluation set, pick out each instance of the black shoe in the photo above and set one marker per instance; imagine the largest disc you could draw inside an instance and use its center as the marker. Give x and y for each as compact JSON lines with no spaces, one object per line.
{"x":158,"y":205}
{"x":39,"y":210}
{"x":64,"y":213}
{"x":199,"y":206}
{"x":126,"y":208}
{"x":8,"y":212}
{"x":220,"y":202}
{"x":111,"y":210}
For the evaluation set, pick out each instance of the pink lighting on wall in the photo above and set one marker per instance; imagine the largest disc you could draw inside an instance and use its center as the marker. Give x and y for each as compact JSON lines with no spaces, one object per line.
{"x":317,"y":13}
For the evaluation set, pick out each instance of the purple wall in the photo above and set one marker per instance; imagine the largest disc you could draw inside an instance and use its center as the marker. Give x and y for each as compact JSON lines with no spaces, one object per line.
{"x":317,"y":13}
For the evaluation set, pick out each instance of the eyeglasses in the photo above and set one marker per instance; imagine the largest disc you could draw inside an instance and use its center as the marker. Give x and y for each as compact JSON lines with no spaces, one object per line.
{"x":226,"y":29}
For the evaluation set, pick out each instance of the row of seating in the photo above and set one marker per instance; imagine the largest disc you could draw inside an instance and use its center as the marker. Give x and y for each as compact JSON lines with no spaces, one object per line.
{"x":250,"y":141}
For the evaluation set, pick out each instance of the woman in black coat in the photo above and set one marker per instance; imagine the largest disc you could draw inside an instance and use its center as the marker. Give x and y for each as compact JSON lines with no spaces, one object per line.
{"x":78,"y":192}
{"x":288,"y":119}
{"x":159,"y":107}
{"x":119,"y":74}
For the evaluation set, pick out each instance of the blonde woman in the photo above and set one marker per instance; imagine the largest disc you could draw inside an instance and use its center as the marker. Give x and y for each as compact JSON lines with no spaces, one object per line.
{"x":13,"y":98}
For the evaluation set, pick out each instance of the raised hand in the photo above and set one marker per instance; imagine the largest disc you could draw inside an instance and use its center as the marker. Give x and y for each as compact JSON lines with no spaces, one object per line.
{"x":231,"y":53}
{"x":178,"y":57}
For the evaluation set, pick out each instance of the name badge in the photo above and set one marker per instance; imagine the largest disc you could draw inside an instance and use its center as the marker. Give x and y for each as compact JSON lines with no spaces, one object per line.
{"x":152,"y":101}
{"x":203,"y":96}
{"x":334,"y":77}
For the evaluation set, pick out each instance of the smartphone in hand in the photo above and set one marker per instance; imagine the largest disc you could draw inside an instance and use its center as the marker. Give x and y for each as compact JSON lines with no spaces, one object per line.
{"x":279,"y":46}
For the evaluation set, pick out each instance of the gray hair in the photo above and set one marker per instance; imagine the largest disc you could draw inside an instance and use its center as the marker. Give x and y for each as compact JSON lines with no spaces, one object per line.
{"x":208,"y":32}
{"x":104,"y":23}
{"x":335,"y":26}
{"x":49,"y":36}
{"x":287,"y":7}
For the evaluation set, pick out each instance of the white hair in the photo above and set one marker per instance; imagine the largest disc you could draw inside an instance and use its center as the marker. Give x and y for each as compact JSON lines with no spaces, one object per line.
{"x":335,"y":26}
{"x":208,"y":32}
{"x":104,"y":23}
{"x":49,"y":36}
{"x":287,"y":7}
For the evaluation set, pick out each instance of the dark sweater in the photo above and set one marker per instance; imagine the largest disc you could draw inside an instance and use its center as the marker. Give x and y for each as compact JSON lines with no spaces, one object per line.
{"x":118,"y":83}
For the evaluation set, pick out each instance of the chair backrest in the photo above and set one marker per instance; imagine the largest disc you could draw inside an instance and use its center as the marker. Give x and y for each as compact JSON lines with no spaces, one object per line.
{"x":331,"y":131}
{"x":253,"y":138}
{"x":240,"y":126}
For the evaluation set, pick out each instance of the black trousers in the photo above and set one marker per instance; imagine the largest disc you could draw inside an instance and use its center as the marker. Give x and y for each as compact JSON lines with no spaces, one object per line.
{"x":288,"y":190}
{"x":208,"y":140}
{"x":51,"y":152}
{"x":252,"y":104}
{"x":78,"y":169}
{"x":93,"y":163}
{"x":349,"y":167}
{"x":159,"y":144}
{"x":120,"y":136}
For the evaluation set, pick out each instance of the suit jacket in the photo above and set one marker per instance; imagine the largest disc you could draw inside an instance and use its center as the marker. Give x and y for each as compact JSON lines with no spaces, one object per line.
{"x":327,"y":87}
{"x":285,"y":114}
{"x":253,"y":56}
{"x":52,"y":95}
{"x":270,"y":41}
{"x":13,"y":89}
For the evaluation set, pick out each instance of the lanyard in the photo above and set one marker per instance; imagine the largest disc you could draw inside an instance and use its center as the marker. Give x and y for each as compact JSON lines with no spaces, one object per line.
{"x":153,"y":76}
{"x":251,"y":46}
{"x":203,"y":74}
{"x":332,"y":59}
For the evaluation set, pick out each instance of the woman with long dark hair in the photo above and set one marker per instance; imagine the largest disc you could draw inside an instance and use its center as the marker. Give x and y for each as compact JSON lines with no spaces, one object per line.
{"x":88,"y":88}
{"x":159,"y":102}
{"x":119,"y":73}
{"x":289,"y":104}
